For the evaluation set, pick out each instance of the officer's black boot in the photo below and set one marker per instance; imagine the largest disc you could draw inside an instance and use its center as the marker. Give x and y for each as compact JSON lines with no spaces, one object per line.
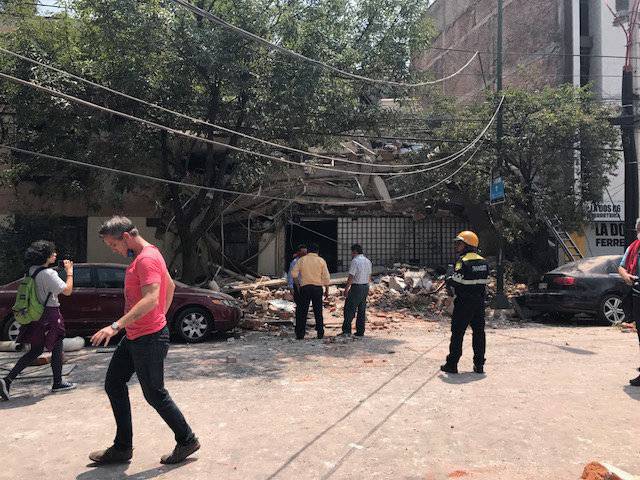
{"x":448,"y":368}
{"x":635,"y":382}
{"x":478,"y":369}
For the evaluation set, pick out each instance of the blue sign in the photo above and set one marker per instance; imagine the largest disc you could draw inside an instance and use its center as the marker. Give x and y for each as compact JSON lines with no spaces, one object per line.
{"x":496,"y":194}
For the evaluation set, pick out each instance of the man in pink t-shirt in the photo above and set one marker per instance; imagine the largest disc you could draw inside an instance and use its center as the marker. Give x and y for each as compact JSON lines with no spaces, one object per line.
{"x":147,"y":268}
{"x":148,"y":291}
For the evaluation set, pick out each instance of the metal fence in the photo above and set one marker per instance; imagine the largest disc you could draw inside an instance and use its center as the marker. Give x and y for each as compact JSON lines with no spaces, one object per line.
{"x":389,"y":240}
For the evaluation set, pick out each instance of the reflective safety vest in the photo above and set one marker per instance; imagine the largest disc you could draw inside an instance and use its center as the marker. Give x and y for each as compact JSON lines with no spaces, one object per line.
{"x":470,"y":276}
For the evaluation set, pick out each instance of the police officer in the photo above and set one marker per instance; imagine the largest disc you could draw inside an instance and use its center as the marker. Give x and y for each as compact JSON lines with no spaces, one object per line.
{"x":467,"y":284}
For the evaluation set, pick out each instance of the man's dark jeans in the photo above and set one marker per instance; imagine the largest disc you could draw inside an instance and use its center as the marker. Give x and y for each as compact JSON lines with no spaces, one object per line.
{"x":144,"y":356}
{"x":309,"y":294}
{"x":297,"y":298}
{"x":356,"y":301}
{"x":467,"y":311}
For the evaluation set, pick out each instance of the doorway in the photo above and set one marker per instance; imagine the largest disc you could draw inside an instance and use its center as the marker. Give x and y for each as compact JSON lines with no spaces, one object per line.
{"x":324,"y":232}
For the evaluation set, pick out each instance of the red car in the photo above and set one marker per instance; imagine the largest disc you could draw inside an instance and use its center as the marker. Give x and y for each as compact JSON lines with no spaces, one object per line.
{"x":98,"y":300}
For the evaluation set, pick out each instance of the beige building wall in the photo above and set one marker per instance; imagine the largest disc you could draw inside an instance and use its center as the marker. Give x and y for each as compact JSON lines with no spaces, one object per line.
{"x":98,"y":252}
{"x":272,"y":248}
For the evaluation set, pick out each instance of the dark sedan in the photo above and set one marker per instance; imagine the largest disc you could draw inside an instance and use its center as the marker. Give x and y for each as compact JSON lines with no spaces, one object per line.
{"x":592,"y":286}
{"x":98,"y":300}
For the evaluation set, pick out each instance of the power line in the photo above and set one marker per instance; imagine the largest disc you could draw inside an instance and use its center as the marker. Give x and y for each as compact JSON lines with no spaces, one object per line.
{"x":527,"y":54}
{"x":47,"y":5}
{"x":235,"y":192}
{"x":203,"y":122}
{"x":29,"y":17}
{"x":233,"y":147}
{"x":252,"y":36}
{"x":547,"y":75}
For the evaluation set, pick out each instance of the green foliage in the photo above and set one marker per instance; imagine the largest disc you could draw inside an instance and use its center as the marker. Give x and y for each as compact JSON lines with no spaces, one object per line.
{"x":159,"y":52}
{"x":545,"y":133}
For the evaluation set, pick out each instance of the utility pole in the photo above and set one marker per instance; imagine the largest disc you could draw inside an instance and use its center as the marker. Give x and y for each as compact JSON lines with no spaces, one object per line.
{"x":629,"y":114}
{"x":501,"y":300}
{"x":631,"y":192}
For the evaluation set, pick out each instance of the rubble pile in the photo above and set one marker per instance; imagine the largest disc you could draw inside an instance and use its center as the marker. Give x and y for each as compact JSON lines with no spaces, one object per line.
{"x":266,"y":308}
{"x":409,"y":291}
{"x":511,"y":290}
{"x":401,"y":293}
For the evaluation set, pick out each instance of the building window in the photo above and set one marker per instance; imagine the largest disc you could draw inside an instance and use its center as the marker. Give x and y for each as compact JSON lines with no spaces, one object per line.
{"x":622,"y":6}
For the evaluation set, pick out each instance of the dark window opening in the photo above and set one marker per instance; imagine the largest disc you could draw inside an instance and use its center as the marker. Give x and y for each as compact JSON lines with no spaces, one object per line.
{"x":81,"y":277}
{"x":322,"y":232}
{"x":110,"y":277}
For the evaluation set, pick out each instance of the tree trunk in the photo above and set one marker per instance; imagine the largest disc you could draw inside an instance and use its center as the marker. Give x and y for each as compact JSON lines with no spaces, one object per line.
{"x":190,"y":261}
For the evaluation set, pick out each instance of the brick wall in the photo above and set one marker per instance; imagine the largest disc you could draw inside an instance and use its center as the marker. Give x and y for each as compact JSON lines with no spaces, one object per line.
{"x":531,"y":26}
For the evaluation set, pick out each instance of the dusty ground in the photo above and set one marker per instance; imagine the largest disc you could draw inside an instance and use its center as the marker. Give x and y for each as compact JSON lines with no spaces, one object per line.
{"x":268,"y":407}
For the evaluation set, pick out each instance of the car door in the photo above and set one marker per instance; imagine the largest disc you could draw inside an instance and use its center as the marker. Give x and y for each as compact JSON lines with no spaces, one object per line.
{"x":80,"y":309}
{"x":110,"y":287}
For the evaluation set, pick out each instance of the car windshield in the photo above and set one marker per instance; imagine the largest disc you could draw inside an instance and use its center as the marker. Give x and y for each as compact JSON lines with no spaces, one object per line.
{"x":602,"y":264}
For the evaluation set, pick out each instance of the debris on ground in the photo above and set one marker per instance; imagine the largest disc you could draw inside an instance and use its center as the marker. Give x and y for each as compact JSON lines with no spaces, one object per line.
{"x":602,"y":471}
{"x":397,"y":294}
{"x":627,"y":327}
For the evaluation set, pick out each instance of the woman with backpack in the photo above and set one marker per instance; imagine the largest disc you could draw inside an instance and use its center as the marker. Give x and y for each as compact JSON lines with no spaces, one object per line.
{"x":48,"y":331}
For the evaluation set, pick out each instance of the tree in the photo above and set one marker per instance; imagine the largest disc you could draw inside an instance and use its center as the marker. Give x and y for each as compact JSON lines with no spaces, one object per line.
{"x":545,"y":133}
{"x":156,"y":51}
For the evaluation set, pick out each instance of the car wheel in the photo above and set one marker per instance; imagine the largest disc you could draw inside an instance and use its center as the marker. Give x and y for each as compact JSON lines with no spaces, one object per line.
{"x":611,"y":309}
{"x":193,"y":325}
{"x":10,"y":330}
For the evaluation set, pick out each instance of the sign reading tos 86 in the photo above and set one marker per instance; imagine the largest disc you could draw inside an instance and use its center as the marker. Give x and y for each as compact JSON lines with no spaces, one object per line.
{"x":606,"y":212}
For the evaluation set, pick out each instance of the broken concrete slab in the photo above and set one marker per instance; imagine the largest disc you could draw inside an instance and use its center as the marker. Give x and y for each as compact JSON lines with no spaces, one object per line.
{"x":397,"y":284}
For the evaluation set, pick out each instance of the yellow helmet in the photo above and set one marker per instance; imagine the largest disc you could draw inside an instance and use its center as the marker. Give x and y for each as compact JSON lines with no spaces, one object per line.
{"x":469,"y":238}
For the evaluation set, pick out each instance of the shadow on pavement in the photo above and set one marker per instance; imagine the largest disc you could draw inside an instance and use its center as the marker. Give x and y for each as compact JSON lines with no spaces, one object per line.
{"x":22,"y":400}
{"x":461,"y":378}
{"x":633,"y":392}
{"x":577,"y":351}
{"x":234,"y":356}
{"x":120,"y":471}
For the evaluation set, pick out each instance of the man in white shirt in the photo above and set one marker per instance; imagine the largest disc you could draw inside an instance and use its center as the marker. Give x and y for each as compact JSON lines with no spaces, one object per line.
{"x":356,"y":292}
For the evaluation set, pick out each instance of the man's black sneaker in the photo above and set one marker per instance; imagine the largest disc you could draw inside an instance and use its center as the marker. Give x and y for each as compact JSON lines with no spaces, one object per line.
{"x":63,"y":387}
{"x":635,"y":382}
{"x":111,"y":455}
{"x":359,"y":334}
{"x":4,"y":390}
{"x":343,"y":334}
{"x":181,"y":452}
{"x":478,"y":369}
{"x":449,"y":368}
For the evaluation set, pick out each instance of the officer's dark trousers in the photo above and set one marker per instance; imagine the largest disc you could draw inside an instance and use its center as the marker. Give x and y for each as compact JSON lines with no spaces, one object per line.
{"x":636,"y":311}
{"x":310,"y":294}
{"x":467,"y":311}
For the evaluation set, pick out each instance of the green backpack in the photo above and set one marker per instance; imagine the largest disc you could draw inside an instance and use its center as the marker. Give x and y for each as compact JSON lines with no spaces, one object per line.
{"x":28,"y":308}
